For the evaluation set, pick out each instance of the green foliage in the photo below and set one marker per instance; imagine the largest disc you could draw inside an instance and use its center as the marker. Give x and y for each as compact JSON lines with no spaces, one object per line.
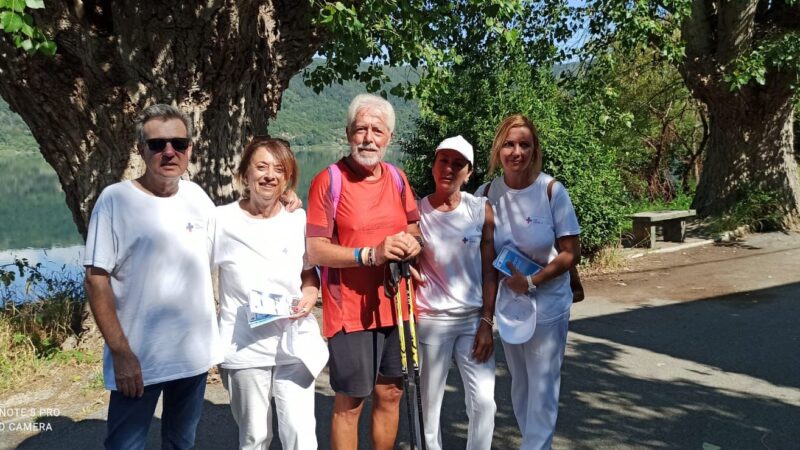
{"x":50,"y":309}
{"x":631,"y":24}
{"x":483,"y":92}
{"x":417,"y":33}
{"x":20,"y":26}
{"x":651,"y":120}
{"x":781,"y":52}
{"x":665,"y":26}
{"x":683,"y":200}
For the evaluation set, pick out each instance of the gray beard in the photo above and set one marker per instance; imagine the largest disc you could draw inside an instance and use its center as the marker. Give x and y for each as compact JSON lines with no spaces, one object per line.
{"x":368,"y":162}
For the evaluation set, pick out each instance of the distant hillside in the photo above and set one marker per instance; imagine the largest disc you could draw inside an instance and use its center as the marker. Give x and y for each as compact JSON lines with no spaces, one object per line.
{"x":14,"y":134}
{"x":308,"y":119}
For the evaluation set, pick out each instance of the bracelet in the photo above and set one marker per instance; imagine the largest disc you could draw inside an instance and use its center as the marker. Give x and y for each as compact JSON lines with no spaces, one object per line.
{"x":489,"y":321}
{"x":371,"y":257}
{"x":357,"y":255}
{"x":420,"y":241}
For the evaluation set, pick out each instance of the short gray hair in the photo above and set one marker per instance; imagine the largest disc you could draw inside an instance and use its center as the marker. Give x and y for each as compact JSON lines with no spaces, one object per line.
{"x":162,"y":112}
{"x":362,"y":101}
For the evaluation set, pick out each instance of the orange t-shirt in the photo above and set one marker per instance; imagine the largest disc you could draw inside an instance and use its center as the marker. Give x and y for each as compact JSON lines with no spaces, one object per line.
{"x":368,"y":211}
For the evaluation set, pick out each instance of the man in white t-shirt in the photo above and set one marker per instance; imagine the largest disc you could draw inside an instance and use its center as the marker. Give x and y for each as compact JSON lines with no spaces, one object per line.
{"x":149,"y":287}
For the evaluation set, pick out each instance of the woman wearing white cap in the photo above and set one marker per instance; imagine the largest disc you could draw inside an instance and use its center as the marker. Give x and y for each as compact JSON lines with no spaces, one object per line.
{"x":535,"y":216}
{"x":259,"y":248}
{"x":456,"y":301}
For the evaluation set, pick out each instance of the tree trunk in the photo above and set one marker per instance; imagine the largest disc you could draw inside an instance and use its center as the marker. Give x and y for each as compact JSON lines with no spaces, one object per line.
{"x":750,"y":147}
{"x":226,"y":63}
{"x":750,"y":129}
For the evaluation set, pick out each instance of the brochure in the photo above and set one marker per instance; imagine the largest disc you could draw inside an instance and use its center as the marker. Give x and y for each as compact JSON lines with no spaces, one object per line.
{"x":265,"y":307}
{"x":519,"y":260}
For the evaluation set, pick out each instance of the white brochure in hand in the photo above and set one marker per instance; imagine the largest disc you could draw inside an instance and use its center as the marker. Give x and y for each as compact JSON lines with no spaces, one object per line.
{"x":265,"y":307}
{"x":519,"y":260}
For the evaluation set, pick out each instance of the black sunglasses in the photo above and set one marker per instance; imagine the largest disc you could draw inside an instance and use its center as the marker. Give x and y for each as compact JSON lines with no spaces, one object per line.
{"x":158,"y":145}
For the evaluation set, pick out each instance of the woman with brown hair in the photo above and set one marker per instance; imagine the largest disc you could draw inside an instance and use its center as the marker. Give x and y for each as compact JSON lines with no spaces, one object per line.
{"x":534,"y":216}
{"x":273,"y":348}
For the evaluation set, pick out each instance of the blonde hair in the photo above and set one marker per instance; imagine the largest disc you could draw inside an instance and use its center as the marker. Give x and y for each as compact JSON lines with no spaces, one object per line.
{"x":515,"y":121}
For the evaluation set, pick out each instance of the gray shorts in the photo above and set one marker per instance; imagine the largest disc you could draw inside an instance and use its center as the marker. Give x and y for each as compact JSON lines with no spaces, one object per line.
{"x":357,"y":358}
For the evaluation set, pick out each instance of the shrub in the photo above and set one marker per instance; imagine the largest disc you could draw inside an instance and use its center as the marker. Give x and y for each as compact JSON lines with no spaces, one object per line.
{"x":49,"y":310}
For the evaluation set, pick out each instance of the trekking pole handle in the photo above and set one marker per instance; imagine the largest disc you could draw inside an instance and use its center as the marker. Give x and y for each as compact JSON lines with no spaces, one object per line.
{"x":405,"y":269}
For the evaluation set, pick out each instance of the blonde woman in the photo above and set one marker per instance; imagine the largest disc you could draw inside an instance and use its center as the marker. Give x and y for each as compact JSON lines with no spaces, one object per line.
{"x":534,"y":214}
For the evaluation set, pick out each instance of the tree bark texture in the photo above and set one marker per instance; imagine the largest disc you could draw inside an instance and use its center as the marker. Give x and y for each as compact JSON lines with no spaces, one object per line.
{"x":751,"y":142}
{"x":226,"y":63}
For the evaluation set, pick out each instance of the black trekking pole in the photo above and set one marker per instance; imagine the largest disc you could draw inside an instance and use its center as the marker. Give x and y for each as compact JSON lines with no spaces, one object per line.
{"x":412,"y":328}
{"x":395,"y":274}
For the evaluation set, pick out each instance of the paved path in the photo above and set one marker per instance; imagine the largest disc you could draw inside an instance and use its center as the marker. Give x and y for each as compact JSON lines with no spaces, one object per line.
{"x":697,"y":349}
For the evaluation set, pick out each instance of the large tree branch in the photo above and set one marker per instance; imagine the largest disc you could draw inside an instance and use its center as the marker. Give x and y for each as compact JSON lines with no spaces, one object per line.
{"x":696,"y":30}
{"x":735,"y":28}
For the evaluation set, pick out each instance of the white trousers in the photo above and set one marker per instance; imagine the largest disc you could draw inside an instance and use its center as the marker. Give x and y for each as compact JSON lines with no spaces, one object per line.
{"x":251,"y":391}
{"x":454,"y":339}
{"x":535,"y":369}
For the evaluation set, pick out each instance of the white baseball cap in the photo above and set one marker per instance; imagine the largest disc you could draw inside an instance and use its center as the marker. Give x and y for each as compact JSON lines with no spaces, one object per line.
{"x":515,"y":315}
{"x":458,"y":144}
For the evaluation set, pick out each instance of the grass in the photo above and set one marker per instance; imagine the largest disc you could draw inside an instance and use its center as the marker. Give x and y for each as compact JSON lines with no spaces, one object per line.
{"x":36,"y":321}
{"x":606,"y":260}
{"x":756,"y":209}
{"x":20,"y":362}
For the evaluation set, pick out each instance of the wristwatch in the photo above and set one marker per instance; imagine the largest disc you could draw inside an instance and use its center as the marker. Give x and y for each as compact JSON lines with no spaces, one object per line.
{"x":531,"y":286}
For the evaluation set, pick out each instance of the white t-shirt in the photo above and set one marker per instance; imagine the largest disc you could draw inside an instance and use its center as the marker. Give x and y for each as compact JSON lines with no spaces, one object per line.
{"x":529,"y":221}
{"x":451,"y":259}
{"x":260,"y":254}
{"x":154,"y":249}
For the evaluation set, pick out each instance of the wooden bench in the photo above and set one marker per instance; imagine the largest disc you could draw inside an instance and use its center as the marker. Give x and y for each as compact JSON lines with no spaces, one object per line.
{"x":672,"y":223}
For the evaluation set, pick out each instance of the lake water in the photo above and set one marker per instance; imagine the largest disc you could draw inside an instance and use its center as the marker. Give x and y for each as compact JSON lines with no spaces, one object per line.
{"x":36,"y":224}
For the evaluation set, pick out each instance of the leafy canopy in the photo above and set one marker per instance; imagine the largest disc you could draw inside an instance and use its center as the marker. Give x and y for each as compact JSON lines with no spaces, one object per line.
{"x":497,"y":83}
{"x":746,"y":38}
{"x":426,"y":36}
{"x":19,"y":24}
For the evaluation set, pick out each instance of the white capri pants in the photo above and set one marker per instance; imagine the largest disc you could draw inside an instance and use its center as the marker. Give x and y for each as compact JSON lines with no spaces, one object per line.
{"x":441,"y":340}
{"x":250,"y":391}
{"x":535,"y":369}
